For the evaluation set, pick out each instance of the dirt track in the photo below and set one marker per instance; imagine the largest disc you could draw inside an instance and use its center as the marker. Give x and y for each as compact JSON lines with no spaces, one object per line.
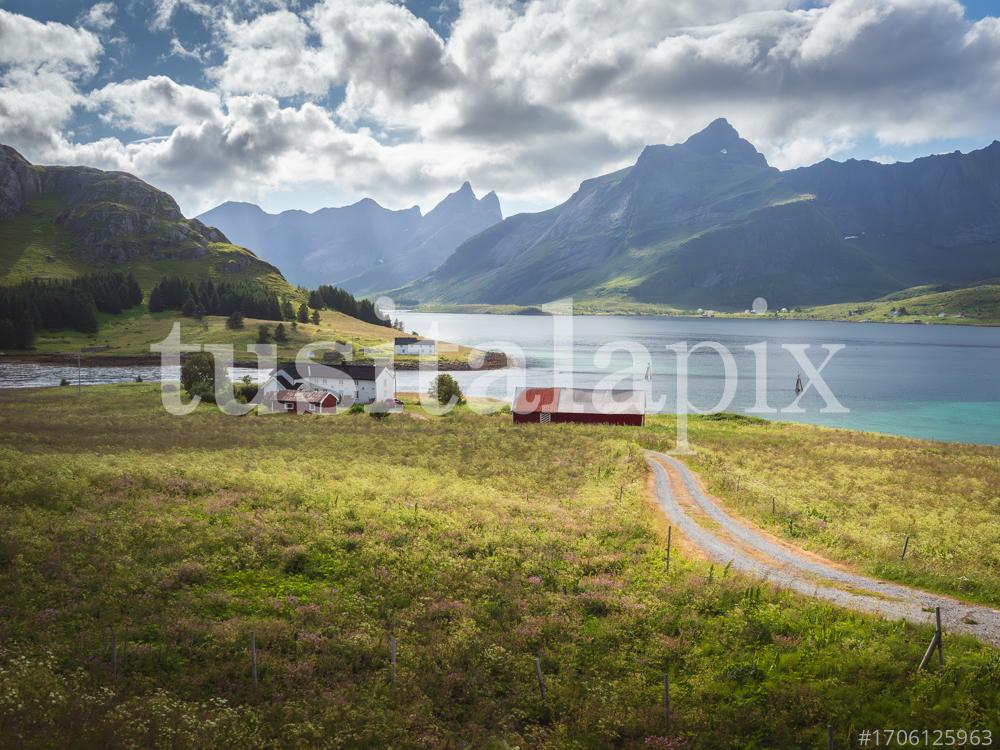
{"x":726,"y":540}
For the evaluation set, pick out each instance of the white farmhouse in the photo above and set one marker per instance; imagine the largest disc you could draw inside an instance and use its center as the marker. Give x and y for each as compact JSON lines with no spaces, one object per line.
{"x":348,"y":382}
{"x":411,"y":345}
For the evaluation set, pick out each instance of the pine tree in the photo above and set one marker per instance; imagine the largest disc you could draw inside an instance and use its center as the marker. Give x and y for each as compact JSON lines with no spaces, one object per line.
{"x":156,"y":299}
{"x":279,"y":333}
{"x":25,"y":333}
{"x":315,"y":317}
{"x":235,"y":321}
{"x":287,"y":311}
{"x":303,"y":313}
{"x":264,"y":334}
{"x":8,"y":334}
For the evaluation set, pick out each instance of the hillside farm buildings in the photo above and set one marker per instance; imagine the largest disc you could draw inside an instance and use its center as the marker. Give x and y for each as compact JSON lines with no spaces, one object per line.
{"x":412,"y":345}
{"x":345,"y":383}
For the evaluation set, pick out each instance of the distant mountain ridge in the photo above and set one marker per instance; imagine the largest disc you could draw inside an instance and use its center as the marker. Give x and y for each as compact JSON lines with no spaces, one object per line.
{"x":708,"y":223}
{"x":362,"y":247}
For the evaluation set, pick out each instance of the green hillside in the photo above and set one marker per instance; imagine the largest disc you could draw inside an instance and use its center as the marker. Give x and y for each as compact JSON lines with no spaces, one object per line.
{"x":978,"y":304}
{"x":34,"y":245}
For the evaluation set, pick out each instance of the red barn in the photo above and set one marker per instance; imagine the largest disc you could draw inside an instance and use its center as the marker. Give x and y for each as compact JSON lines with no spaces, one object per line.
{"x":553,"y":405}
{"x":304,"y":401}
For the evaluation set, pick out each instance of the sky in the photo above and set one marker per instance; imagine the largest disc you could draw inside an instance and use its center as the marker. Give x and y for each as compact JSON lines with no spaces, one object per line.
{"x":312,"y":103}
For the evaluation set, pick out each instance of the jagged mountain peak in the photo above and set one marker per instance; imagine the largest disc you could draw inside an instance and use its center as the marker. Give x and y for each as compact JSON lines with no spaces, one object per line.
{"x":719,"y":137}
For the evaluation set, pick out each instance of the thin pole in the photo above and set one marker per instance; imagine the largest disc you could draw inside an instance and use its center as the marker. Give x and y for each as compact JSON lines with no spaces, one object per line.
{"x":666,"y":700}
{"x":929,"y":651}
{"x":541,"y":678}
{"x":253,"y":658}
{"x":940,"y":633}
{"x":78,"y":374}
{"x":669,"y":530}
{"x":392,"y":657}
{"x":829,"y":737}
{"x":906,"y":543}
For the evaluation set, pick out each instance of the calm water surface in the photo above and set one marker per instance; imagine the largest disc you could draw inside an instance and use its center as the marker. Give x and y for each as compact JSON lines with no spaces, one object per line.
{"x":940,"y":382}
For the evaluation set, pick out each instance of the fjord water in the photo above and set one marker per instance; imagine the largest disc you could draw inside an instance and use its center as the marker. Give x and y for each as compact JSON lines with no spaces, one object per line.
{"x":938,"y":382}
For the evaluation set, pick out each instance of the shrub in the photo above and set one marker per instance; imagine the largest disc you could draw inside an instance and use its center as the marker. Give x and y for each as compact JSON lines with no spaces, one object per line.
{"x":445,"y":389}
{"x":279,"y":333}
{"x":264,"y":334}
{"x":198,"y":372}
{"x":235,"y":321}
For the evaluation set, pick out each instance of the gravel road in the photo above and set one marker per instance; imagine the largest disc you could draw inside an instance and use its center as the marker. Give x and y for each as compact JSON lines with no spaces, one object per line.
{"x":753,"y":552}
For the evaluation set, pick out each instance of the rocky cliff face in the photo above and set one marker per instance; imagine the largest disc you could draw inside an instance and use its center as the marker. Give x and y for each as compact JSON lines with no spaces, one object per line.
{"x":707,"y":223}
{"x":19,"y":181}
{"x":113,"y":215}
{"x":362,"y":247}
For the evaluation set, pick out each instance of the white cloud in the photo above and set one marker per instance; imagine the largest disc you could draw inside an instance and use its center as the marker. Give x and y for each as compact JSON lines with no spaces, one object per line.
{"x":100,"y":17}
{"x":147,"y":105}
{"x":41,"y":65}
{"x":526,"y":98}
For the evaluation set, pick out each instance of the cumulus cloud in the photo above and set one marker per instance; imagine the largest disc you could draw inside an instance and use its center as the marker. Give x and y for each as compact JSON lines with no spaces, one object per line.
{"x":525,"y":98}
{"x":41,"y":65}
{"x":147,"y":105}
{"x":100,"y":17}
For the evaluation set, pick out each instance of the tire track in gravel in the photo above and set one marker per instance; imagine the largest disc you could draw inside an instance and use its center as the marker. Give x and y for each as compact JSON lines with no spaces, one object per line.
{"x":751,"y":551}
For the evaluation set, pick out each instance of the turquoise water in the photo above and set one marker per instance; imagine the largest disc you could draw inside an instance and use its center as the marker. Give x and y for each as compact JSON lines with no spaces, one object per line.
{"x":937,"y":382}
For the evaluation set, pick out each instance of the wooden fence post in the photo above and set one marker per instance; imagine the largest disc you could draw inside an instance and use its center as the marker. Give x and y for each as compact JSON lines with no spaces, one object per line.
{"x":253,"y":658}
{"x":906,"y":543}
{"x":669,"y":530}
{"x":541,"y":678}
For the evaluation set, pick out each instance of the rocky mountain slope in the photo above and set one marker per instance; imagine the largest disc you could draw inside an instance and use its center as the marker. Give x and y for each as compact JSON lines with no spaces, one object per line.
{"x":708,"y":223}
{"x":57,"y":221}
{"x":362,"y":247}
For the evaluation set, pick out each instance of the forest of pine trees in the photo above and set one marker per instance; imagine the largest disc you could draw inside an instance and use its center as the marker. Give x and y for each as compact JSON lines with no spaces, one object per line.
{"x":335,"y":298}
{"x":59,"y":304}
{"x":210,"y":297}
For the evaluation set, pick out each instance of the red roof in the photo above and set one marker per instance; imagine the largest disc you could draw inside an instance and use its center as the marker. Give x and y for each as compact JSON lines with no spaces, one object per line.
{"x":578,"y":401}
{"x":309,"y":397}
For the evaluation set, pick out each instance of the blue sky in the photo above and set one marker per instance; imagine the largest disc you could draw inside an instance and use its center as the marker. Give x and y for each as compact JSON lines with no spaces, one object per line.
{"x":308,"y":103}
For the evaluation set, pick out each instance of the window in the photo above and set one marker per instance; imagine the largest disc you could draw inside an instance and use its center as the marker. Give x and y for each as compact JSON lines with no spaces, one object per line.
{"x":290,"y":407}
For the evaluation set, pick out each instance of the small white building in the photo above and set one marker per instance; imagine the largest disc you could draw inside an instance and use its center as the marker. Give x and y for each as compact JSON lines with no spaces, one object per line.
{"x":363,"y":384}
{"x":412,"y":345}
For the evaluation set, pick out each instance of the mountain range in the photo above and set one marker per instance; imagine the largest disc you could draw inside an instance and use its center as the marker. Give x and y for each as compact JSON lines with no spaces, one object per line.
{"x":363,"y":247}
{"x":708,"y":223}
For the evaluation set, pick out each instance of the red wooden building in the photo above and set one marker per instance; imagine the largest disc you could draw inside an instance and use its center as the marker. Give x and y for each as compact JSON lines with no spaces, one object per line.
{"x":554,"y":405}
{"x":302,"y":401}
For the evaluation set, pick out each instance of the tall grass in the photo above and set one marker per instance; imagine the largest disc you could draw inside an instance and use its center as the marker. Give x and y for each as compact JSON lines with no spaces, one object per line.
{"x":477,"y":544}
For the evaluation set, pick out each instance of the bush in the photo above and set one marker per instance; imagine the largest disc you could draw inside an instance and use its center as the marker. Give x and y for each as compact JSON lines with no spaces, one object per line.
{"x":279,"y":333}
{"x":198,"y":373}
{"x":264,"y":334}
{"x":356,"y":408}
{"x":235,"y":321}
{"x":445,"y":388}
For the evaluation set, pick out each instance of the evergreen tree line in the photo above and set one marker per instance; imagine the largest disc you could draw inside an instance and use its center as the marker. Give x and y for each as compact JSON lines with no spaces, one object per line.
{"x":210,"y":297}
{"x":67,"y":303}
{"x":335,"y":298}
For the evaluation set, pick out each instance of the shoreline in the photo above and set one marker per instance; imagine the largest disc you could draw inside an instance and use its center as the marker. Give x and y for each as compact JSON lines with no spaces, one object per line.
{"x":534,"y":311}
{"x":491,"y":361}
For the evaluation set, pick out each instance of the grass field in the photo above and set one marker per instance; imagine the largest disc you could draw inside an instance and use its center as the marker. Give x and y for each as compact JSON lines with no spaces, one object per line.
{"x":476,"y":544}
{"x":131,"y":333}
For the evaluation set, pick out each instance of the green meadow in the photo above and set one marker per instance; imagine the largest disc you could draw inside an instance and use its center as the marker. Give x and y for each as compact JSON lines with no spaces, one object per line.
{"x":478,"y":546}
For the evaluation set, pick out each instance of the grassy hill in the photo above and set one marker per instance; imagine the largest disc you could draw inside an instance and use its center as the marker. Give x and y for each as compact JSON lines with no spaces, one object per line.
{"x":478,"y":545}
{"x":978,"y":304}
{"x":130,"y":334}
{"x":34,"y":245}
